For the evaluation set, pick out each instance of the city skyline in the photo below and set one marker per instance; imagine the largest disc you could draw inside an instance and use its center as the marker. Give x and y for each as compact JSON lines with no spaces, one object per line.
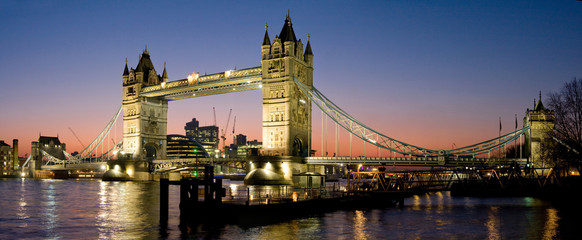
{"x":433,"y":74}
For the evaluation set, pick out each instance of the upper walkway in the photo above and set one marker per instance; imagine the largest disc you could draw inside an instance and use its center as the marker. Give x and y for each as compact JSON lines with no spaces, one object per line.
{"x":218,"y":83}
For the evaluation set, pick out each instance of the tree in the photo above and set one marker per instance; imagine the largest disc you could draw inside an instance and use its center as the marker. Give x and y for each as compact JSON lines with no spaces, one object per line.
{"x":567,"y":105}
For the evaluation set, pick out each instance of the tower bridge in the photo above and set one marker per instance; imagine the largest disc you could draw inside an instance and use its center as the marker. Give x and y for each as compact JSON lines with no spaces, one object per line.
{"x":285,"y":79}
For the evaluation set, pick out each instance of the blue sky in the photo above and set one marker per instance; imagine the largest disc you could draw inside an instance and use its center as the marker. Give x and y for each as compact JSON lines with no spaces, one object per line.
{"x":430,"y":73}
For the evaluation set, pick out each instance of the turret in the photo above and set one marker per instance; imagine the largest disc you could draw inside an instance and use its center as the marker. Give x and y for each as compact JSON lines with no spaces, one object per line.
{"x":308,"y":56}
{"x":266,"y":46}
{"x":145,"y":72}
{"x":165,"y":74}
{"x":125,"y":74}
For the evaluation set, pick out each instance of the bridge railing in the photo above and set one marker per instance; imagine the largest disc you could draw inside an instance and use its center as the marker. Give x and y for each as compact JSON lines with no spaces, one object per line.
{"x":419,"y":161}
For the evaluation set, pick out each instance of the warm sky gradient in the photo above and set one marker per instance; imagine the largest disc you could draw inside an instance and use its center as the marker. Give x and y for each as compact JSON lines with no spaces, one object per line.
{"x":430,"y":73}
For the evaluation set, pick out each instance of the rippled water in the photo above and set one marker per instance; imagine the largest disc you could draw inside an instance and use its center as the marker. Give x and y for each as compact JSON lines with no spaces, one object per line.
{"x":84,"y":209}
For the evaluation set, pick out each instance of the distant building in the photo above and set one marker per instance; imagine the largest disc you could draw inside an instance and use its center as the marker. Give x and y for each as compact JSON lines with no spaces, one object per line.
{"x":49,"y":145}
{"x":52,"y":146}
{"x":207,"y":136}
{"x":180,"y":146}
{"x":192,"y":128}
{"x":7,"y":158}
{"x":240,"y":140}
{"x":242,"y":151}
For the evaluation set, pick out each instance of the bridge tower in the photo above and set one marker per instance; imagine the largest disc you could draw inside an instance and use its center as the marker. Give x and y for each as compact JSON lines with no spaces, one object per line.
{"x":541,"y":122}
{"x":144,"y":119}
{"x":286,"y":110}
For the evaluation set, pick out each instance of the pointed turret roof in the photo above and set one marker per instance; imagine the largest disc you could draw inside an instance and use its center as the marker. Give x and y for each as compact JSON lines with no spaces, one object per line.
{"x":287,"y":33}
{"x":539,"y":105}
{"x":308,"y":47}
{"x":125,"y":71}
{"x":145,"y":63}
{"x":266,"y":40}
{"x":165,"y":74}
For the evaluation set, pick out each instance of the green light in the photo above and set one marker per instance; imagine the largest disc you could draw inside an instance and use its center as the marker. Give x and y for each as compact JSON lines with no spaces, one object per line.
{"x":195,"y":150}
{"x":195,"y":174}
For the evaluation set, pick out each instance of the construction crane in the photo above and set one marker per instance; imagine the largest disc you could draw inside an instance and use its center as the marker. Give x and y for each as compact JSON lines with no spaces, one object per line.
{"x":224,"y":130}
{"x":233,"y":125}
{"x":74,"y":134}
{"x":214,"y":110}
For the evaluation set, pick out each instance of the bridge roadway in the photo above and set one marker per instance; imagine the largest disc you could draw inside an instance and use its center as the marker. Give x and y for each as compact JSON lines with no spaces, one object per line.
{"x":165,"y":165}
{"x":75,"y":166}
{"x":171,"y":164}
{"x":177,"y":163}
{"x":418,"y":161}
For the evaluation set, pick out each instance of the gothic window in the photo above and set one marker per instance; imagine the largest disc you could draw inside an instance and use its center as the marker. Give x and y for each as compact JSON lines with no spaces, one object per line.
{"x":130,"y":91}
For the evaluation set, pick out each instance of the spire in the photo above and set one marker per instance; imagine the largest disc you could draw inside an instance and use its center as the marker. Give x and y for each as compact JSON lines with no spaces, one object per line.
{"x":308,"y":47}
{"x":266,"y":40}
{"x":165,"y":74}
{"x":145,"y":51}
{"x":539,"y":105}
{"x":125,"y":71}
{"x":287,"y":33}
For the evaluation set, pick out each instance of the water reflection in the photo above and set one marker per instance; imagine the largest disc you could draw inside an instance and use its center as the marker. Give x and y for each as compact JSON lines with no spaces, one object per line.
{"x":493,"y":223}
{"x":551,"y":226}
{"x":21,"y":212}
{"x":360,"y":222}
{"x":51,"y":215}
{"x":32,"y":209}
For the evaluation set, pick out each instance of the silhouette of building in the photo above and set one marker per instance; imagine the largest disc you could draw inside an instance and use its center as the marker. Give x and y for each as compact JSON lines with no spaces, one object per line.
{"x":240,"y":140}
{"x":192,"y":128}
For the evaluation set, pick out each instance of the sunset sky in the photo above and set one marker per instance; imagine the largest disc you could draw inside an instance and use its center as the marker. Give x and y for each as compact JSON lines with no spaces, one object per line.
{"x":430,"y":73}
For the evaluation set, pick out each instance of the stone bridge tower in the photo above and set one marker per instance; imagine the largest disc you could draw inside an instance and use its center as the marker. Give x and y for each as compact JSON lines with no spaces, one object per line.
{"x":286,"y":110}
{"x":541,"y":122}
{"x":144,"y":119}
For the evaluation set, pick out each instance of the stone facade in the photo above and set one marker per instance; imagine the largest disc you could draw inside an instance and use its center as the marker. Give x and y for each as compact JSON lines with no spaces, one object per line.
{"x":144,"y":119}
{"x":541,"y":122}
{"x":286,"y":110}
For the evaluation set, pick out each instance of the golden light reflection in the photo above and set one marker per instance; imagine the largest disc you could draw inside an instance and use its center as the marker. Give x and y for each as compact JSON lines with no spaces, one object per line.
{"x":440,"y":202}
{"x":551,"y":226}
{"x":360,"y":225}
{"x":415,"y":202}
{"x":493,"y":223}
{"x":428,"y":202}
{"x":21,"y":210}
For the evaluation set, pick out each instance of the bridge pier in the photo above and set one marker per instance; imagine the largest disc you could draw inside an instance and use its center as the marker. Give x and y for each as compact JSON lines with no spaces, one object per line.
{"x":273,"y":170}
{"x":123,"y":170}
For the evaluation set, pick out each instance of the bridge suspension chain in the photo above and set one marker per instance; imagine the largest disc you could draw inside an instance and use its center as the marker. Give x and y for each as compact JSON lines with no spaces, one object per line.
{"x":88,"y":151}
{"x":378,"y":139}
{"x":100,"y":138}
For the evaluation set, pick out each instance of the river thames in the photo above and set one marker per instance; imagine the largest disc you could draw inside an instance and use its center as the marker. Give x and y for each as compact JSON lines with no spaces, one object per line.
{"x":93,"y":209}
